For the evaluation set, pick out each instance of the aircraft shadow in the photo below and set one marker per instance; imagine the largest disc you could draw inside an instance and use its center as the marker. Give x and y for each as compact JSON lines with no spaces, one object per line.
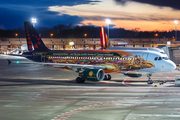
{"x":24,"y":82}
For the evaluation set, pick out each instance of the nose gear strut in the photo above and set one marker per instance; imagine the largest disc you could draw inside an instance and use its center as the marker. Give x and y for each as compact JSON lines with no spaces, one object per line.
{"x":149,"y":79}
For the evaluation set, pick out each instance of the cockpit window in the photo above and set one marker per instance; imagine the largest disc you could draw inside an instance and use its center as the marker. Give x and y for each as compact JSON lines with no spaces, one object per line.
{"x":164,"y":58}
{"x":156,"y":58}
{"x":160,"y":58}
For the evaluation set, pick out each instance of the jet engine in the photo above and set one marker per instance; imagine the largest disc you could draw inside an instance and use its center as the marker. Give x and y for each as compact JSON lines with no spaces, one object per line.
{"x":132,"y":75}
{"x":93,"y":74}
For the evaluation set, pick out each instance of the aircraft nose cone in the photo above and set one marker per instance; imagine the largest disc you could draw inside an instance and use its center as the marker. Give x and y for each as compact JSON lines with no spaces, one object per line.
{"x":172,"y":66}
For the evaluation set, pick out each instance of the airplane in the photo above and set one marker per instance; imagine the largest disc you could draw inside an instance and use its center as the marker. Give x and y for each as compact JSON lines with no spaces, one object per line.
{"x":106,"y":44}
{"x":94,"y":65}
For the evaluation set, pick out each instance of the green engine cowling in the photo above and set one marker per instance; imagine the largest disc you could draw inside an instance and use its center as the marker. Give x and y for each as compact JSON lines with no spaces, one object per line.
{"x":93,"y":74}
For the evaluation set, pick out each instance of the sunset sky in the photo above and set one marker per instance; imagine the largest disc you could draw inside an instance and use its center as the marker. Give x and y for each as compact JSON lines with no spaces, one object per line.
{"x":129,"y":14}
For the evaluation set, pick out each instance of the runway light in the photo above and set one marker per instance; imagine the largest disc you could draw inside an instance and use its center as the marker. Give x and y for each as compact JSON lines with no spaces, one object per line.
{"x":155,"y":85}
{"x":17,"y":62}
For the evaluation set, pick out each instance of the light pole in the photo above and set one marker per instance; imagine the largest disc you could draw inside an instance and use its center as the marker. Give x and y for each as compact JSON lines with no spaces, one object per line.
{"x":175,"y":22}
{"x":51,"y":35}
{"x":33,"y":21}
{"x":108,"y":21}
{"x":85,"y":35}
{"x":16,"y":34}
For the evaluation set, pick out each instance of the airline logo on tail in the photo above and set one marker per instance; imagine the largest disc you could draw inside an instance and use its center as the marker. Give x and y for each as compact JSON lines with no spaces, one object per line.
{"x":28,"y":38}
{"x":33,"y":38}
{"x":105,"y":43}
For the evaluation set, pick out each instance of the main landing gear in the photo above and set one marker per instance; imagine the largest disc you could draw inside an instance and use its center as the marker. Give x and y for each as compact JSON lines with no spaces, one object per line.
{"x":80,"y":80}
{"x":149,"y":79}
{"x":107,"y":77}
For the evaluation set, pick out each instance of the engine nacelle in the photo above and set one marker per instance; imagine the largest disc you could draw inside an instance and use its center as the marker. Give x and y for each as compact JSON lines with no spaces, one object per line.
{"x":93,"y":74}
{"x":132,"y":75}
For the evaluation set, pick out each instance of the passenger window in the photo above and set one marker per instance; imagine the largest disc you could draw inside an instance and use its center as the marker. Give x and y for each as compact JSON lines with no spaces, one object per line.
{"x":156,"y":58}
{"x":160,"y":58}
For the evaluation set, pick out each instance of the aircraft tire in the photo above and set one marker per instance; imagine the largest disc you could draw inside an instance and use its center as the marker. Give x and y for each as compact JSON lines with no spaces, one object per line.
{"x":105,"y":77}
{"x":109,"y":77}
{"x":80,"y":80}
{"x":150,"y":82}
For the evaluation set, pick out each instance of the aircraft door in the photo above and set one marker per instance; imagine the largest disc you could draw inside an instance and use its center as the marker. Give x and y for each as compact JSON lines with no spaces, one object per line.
{"x":144,"y":59}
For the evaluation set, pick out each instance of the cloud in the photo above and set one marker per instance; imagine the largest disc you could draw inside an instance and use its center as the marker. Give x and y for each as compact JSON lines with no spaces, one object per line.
{"x":161,"y":3}
{"x":129,"y":15}
{"x":15,"y":12}
{"x":12,"y":19}
{"x":40,"y":3}
{"x":132,"y":11}
{"x":64,"y":19}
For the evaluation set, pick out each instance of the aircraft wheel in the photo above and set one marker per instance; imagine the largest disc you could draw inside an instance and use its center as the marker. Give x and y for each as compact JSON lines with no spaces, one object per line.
{"x":80,"y":80}
{"x":150,"y":82}
{"x":109,"y":77}
{"x":105,"y":77}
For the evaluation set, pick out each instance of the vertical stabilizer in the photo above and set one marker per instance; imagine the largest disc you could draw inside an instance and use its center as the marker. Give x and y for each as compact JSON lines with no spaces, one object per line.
{"x":105,"y":42}
{"x":33,"y":38}
{"x":28,"y":38}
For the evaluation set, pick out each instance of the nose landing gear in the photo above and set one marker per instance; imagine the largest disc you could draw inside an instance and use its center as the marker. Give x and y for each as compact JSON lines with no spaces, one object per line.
{"x":149,"y":79}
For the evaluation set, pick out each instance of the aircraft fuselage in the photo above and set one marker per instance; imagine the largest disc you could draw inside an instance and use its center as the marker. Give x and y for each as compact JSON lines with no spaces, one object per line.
{"x":114,"y":60}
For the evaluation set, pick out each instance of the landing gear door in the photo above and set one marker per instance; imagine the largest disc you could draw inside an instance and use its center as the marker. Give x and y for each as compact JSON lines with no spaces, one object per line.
{"x":144,"y":59}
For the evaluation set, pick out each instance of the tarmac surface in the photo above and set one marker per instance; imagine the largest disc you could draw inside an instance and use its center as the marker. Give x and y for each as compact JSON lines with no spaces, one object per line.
{"x":31,"y":92}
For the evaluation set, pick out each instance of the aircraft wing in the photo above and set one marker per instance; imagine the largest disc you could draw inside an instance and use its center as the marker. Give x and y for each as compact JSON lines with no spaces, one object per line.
{"x":16,"y":55}
{"x":72,"y":66}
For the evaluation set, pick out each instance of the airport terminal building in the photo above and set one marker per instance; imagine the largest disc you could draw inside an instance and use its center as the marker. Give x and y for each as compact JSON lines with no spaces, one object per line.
{"x":170,"y":46}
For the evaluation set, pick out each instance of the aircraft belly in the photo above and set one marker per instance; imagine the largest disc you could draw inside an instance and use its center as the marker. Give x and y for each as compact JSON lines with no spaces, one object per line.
{"x":151,"y":70}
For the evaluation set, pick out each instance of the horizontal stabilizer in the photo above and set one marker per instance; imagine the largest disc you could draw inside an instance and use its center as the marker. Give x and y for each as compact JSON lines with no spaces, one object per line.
{"x":9,"y":62}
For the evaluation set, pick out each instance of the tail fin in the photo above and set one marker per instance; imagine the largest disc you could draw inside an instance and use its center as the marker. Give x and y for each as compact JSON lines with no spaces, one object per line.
{"x":28,"y":38}
{"x":105,"y":42}
{"x":33,"y":38}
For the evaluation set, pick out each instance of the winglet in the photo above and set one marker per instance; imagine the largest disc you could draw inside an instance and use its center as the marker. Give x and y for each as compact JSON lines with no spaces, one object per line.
{"x":9,"y":62}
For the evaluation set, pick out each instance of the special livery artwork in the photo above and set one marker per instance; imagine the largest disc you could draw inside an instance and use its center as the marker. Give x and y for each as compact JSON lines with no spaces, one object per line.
{"x":115,"y":61}
{"x":94,"y":65}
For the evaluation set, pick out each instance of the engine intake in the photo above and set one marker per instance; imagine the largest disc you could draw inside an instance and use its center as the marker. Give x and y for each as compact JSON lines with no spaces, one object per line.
{"x":93,"y":74}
